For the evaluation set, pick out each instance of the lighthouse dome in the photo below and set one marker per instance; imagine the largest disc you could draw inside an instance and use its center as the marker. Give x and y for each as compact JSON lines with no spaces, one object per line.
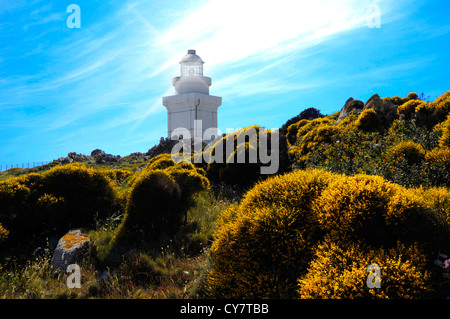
{"x":191,"y":64}
{"x":191,"y":57}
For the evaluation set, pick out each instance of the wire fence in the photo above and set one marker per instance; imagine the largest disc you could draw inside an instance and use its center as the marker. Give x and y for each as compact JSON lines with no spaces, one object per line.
{"x":22,"y":165}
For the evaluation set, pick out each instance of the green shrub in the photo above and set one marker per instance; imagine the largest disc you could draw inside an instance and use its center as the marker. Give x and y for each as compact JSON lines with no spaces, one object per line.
{"x":350,"y":120}
{"x":266,"y":242}
{"x":340,"y":271}
{"x":437,"y":197}
{"x":191,"y":180}
{"x":159,"y":198}
{"x":404,"y":163}
{"x":3,"y":234}
{"x":351,"y":151}
{"x":368,"y":121}
{"x":444,"y":141}
{"x":293,"y":130}
{"x":379,"y":213}
{"x":49,"y":204}
{"x":412,"y":152}
{"x":117,"y":175}
{"x":304,"y":129}
{"x":321,"y":134}
{"x":153,"y":206}
{"x":235,"y":158}
{"x":399,"y":101}
{"x":429,"y":114}
{"x":437,"y":167}
{"x":161,"y":161}
{"x":425,"y":115}
{"x":438,"y":155}
{"x":316,"y":134}
{"x":411,"y":96}
{"x":355,"y":207}
{"x":19,"y":211}
{"x":88,"y":195}
{"x":439,"y":128}
{"x":442,"y":106}
{"x":307,"y":114}
{"x":408,"y":109}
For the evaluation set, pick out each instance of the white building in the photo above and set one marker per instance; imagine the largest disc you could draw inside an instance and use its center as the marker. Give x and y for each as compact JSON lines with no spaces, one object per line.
{"x":191,"y":108}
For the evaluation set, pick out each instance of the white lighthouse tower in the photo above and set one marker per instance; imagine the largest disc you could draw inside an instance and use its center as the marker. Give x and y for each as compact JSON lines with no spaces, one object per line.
{"x":192,"y":109}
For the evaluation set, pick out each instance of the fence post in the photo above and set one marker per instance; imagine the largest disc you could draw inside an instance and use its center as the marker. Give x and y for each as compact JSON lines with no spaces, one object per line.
{"x":23,"y":165}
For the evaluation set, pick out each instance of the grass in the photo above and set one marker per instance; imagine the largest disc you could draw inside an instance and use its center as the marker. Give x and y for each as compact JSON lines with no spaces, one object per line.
{"x":35,"y":280}
{"x":206,"y":210}
{"x":174,"y":271}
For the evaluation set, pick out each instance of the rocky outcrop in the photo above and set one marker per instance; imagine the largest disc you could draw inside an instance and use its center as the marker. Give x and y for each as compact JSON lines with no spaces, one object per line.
{"x":164,"y":147}
{"x":73,"y":157}
{"x":386,"y":111}
{"x":71,"y":248}
{"x":372,"y":98}
{"x":65,"y":160}
{"x":349,"y":106}
{"x":98,"y":155}
{"x":97,"y":152}
{"x":77,"y":157}
{"x":103,"y":158}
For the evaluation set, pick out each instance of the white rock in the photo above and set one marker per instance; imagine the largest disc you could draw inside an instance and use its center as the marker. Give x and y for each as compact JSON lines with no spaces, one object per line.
{"x":71,"y":247}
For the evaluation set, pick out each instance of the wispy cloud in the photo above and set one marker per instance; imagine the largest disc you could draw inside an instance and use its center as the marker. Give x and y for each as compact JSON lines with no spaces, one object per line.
{"x":45,"y":20}
{"x":244,"y":39}
{"x":44,"y":8}
{"x":228,"y":31}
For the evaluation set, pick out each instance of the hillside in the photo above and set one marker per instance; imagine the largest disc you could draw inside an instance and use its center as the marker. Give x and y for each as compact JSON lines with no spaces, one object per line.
{"x":366,"y":185}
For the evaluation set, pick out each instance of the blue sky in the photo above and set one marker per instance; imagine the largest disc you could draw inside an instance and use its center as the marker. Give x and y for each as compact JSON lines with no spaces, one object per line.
{"x":101,"y":85}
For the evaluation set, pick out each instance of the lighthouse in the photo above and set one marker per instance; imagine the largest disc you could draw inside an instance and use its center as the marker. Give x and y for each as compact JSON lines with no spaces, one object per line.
{"x":192,"y":111}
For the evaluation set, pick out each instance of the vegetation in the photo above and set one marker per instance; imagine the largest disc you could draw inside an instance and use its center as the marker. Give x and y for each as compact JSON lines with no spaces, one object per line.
{"x":271,"y":236}
{"x":281,"y":226}
{"x":369,"y":188}
{"x":412,"y":151}
{"x":339,"y":269}
{"x":235,"y":158}
{"x":34,"y":207}
{"x":159,"y":197}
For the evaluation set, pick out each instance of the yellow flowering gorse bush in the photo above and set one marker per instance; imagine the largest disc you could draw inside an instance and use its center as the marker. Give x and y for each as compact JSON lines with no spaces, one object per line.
{"x":273,"y":240}
{"x":340,"y":271}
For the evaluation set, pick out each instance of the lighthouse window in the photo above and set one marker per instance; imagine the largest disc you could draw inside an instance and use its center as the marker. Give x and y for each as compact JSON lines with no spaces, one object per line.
{"x":192,"y":70}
